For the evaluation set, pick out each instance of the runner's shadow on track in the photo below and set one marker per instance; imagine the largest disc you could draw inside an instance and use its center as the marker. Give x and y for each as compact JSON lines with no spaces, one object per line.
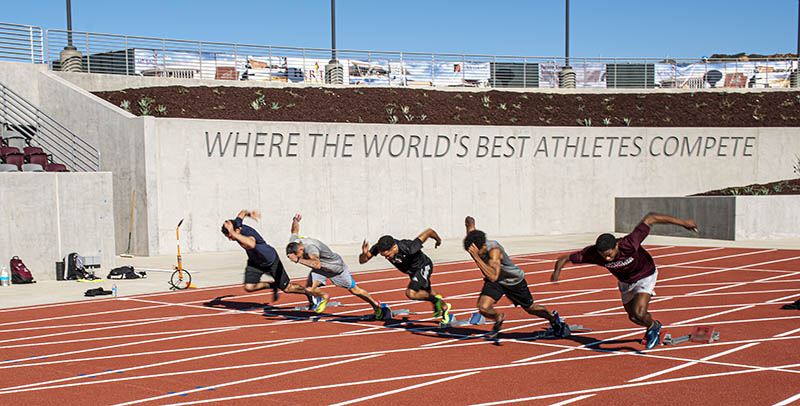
{"x":219,"y":303}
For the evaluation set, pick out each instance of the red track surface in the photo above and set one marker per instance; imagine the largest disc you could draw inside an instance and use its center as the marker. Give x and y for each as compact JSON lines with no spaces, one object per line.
{"x":175,"y":348}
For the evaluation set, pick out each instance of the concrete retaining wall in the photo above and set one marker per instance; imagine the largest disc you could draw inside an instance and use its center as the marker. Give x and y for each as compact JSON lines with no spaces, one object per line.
{"x":718,"y":217}
{"x":45,"y":216}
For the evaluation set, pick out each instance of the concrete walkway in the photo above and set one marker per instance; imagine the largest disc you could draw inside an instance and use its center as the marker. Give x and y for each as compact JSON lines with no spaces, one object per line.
{"x":226,"y":268}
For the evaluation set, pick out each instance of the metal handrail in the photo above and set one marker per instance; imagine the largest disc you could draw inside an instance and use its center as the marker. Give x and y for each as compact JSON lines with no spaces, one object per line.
{"x":150,"y":56}
{"x":23,"y":43}
{"x":42,"y":130}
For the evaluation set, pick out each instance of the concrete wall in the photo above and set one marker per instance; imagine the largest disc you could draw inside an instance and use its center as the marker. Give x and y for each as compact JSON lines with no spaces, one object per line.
{"x":21,"y":77}
{"x":714,"y":215}
{"x":347,"y":196}
{"x":120,"y":138}
{"x":720,"y":217}
{"x":45,"y":216}
{"x":762,"y":217}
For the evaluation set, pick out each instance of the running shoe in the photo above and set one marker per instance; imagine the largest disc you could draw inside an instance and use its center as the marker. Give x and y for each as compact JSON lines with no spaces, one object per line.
{"x":653,"y":335}
{"x":559,"y":327}
{"x":382,"y":311}
{"x":446,"y":317}
{"x":437,"y":306}
{"x":313,"y":302}
{"x":497,"y":325}
{"x":321,"y":306}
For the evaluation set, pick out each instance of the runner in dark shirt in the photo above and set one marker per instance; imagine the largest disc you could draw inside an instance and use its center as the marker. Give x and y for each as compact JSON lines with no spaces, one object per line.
{"x":261,"y":257}
{"x":501,"y":276}
{"x":632,"y":265}
{"x":408,"y":258}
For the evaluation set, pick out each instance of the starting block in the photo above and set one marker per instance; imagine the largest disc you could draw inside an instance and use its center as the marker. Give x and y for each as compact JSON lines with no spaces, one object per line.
{"x":474,"y":319}
{"x":307,"y":307}
{"x":701,"y":334}
{"x":549,"y":332}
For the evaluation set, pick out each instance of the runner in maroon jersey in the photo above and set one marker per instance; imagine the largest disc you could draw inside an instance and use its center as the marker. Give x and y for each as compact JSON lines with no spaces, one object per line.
{"x":632,"y":265}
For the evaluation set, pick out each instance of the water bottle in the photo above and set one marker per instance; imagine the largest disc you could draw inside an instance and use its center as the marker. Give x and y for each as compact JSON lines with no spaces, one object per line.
{"x":114,"y":289}
{"x":5,"y":278}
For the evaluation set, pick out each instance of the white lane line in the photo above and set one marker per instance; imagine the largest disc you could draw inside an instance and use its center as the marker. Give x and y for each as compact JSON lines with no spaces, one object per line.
{"x":788,"y":401}
{"x":573,"y":400}
{"x":407,"y":388}
{"x":688,"y":364}
{"x":157,"y":364}
{"x":788,"y":333}
{"x":258,"y":378}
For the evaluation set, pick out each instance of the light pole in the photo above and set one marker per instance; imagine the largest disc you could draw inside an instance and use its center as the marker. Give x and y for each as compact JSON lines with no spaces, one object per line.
{"x":333,"y":30}
{"x":70,"y":57}
{"x":334,"y":71}
{"x":566,"y":78}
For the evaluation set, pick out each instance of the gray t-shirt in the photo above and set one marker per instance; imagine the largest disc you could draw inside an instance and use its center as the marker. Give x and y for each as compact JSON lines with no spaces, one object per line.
{"x":510,"y":274}
{"x":331,"y":261}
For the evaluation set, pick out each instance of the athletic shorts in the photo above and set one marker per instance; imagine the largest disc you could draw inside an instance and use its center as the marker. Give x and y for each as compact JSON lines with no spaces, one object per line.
{"x":252,"y":274}
{"x":646,"y":285}
{"x":421,"y":279}
{"x":518,"y":294}
{"x":342,"y":280}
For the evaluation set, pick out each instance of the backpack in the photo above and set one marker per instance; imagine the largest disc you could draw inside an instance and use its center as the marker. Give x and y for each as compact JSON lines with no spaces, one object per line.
{"x":74,"y":268}
{"x":125,"y":272}
{"x":19,"y":272}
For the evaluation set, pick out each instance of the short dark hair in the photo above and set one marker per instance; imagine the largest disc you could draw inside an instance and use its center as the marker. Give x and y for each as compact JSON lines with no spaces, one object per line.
{"x":384,"y":243}
{"x":476,"y":237}
{"x":605,"y":242}
{"x":292,"y":247}
{"x":225,"y":230}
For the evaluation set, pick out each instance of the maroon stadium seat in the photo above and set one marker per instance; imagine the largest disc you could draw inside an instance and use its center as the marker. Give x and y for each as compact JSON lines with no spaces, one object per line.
{"x":32,"y":150}
{"x":14,"y":159}
{"x":6,"y":151}
{"x":40,"y":159}
{"x":53,"y":167}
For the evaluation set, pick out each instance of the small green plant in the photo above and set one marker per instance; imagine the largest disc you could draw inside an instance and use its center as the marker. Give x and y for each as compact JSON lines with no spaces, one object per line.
{"x":330,"y":92}
{"x":392,"y":119}
{"x":640,"y":108}
{"x":581,"y":107}
{"x":275,"y":106}
{"x":735,"y":191}
{"x":548,"y":108}
{"x":457,"y":117}
{"x":513,"y":119}
{"x":145,"y":104}
{"x":290,"y":105}
{"x":405,"y":109}
{"x":517,"y":106}
{"x":764,"y":190}
{"x":422,"y":117}
{"x":356,"y":91}
{"x":390,"y":111}
{"x":255,"y":105}
{"x":458,"y":96}
{"x":727,"y":103}
{"x":486,"y":120}
{"x":460,"y":108}
{"x":125,"y":105}
{"x":486,"y":101}
{"x":525,"y":96}
{"x":587,"y":122}
{"x":161,"y":109}
{"x":606,"y":121}
{"x":748,"y":190}
{"x":217,"y":92}
{"x":626,"y":121}
{"x":502,"y":106}
{"x":360,"y":120}
{"x":408,"y":117}
{"x":183,"y":90}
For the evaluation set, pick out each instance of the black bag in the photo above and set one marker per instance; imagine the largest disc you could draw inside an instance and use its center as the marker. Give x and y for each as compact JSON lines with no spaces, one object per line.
{"x":74,"y":268}
{"x":125,"y":272}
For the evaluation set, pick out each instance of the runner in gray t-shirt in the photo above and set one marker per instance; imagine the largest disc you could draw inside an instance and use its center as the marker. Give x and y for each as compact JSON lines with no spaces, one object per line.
{"x":325,"y":264}
{"x":503,"y":277}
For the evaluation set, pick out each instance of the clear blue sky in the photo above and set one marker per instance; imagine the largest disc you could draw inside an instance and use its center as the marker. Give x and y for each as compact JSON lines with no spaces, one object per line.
{"x":606,"y":28}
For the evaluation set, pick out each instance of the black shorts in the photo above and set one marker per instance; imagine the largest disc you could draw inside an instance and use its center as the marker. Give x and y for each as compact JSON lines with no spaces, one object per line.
{"x":421,"y":278}
{"x":519,"y":293}
{"x":252,"y":274}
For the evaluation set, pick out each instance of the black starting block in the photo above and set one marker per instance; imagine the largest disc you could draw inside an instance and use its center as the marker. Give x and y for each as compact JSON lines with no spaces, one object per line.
{"x":573,"y":328}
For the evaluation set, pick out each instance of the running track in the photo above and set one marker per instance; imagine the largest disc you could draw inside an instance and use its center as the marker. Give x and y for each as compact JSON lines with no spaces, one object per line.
{"x":184,"y":348}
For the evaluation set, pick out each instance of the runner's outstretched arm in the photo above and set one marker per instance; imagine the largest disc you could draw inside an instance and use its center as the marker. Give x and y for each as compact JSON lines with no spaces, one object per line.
{"x":657,"y":218}
{"x":430,"y":233}
{"x":296,"y":223}
{"x":560,"y":263}
{"x":365,"y":254}
{"x":490,"y":271}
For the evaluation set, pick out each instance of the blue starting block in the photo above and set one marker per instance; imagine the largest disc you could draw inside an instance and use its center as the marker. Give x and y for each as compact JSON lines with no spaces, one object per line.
{"x":307,"y":307}
{"x":474,"y":319}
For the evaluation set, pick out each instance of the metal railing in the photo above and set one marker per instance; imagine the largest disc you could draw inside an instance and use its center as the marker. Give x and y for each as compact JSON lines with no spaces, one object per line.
{"x":21,"y":43}
{"x":19,"y":116}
